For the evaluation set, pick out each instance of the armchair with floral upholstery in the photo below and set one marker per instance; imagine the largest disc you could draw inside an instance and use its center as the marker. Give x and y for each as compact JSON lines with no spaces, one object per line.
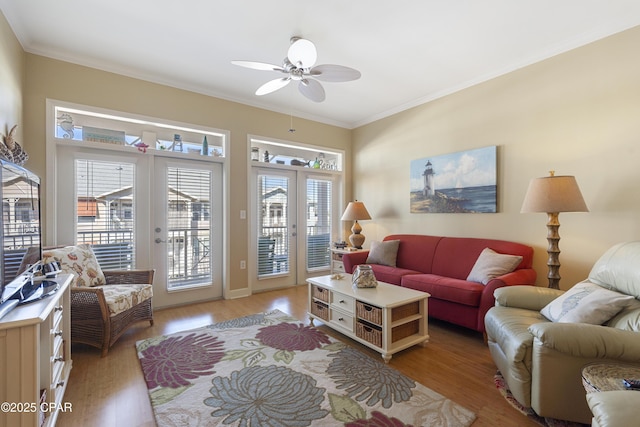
{"x":103,"y":303}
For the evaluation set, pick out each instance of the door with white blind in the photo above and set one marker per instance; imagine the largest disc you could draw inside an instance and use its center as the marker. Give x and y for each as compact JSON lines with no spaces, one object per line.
{"x":275,"y":228}
{"x":294,"y":214}
{"x":187,"y":230}
{"x":318,"y":200}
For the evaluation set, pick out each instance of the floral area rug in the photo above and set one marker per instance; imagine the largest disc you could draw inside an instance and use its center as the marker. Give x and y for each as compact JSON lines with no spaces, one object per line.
{"x":271,"y":370}
{"x":530,"y":413}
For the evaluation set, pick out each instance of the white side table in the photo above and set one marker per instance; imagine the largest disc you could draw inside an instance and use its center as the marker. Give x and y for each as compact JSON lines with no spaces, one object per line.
{"x":337,"y":266}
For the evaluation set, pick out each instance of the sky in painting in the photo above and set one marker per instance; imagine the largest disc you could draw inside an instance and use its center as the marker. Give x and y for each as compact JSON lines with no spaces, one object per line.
{"x":473,"y":168}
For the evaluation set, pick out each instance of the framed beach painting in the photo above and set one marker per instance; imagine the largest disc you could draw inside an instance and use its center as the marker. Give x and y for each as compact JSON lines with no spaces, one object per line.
{"x":462,"y":182}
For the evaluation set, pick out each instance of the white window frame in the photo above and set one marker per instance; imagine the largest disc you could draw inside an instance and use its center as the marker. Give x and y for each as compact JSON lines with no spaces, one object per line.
{"x":53,"y":142}
{"x":302,"y":150}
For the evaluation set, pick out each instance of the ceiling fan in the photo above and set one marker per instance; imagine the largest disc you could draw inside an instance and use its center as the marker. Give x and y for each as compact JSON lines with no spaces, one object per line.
{"x":298,"y":66}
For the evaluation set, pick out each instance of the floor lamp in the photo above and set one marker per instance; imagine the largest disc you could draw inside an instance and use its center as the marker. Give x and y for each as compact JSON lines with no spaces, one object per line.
{"x":355,"y":212}
{"x":553,"y":194}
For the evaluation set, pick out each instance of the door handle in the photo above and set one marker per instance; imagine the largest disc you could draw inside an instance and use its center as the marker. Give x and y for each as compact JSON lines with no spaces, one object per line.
{"x":159,"y":240}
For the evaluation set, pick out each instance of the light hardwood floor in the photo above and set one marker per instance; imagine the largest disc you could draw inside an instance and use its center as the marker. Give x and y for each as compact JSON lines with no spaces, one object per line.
{"x":111,"y":392}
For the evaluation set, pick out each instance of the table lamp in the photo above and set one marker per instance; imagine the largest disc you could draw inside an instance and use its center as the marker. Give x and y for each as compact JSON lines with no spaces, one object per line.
{"x":356,"y":212}
{"x":553,"y":194}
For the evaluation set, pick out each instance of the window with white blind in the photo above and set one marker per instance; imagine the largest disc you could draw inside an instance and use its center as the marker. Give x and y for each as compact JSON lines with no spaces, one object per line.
{"x":273,"y":224}
{"x":105,"y":211}
{"x":318,"y":230}
{"x":188,"y":227}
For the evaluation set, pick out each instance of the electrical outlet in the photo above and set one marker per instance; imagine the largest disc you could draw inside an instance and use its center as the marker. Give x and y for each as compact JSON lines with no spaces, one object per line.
{"x":243,"y":214}
{"x":243,"y":264}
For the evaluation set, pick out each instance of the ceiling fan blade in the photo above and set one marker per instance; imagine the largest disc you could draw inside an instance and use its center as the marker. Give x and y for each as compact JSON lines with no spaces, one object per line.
{"x":272,"y":86}
{"x":334,"y":73}
{"x":262,"y":66}
{"x":302,"y":53}
{"x":312,"y":89}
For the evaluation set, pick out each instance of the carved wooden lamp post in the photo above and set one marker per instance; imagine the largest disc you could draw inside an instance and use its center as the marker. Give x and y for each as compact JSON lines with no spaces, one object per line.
{"x":553,"y":194}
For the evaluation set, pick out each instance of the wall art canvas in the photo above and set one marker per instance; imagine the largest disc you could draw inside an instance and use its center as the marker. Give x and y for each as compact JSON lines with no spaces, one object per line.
{"x":463,"y":182}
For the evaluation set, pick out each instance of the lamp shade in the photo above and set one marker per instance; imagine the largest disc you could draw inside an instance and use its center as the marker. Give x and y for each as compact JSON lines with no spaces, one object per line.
{"x":355,"y":212}
{"x":554,"y":194}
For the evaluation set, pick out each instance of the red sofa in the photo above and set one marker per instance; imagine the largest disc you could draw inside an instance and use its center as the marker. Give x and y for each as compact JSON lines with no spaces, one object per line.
{"x":441,"y":265}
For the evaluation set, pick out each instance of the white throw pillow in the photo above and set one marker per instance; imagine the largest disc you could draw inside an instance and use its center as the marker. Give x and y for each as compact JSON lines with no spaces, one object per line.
{"x":490,"y":264}
{"x":586,"y":302}
{"x":383,"y":253}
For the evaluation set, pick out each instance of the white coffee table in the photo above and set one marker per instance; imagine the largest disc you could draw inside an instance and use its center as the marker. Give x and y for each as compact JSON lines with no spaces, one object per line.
{"x":387,"y":318}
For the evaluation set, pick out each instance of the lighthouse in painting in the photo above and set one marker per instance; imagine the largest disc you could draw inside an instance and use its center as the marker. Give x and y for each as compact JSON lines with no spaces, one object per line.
{"x":429,"y":190}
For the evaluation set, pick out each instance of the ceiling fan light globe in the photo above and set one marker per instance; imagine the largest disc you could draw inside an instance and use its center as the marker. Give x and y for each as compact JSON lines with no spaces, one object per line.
{"x":302,"y":53}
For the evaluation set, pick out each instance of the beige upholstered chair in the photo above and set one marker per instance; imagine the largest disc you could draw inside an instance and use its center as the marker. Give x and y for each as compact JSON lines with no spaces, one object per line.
{"x":614,"y":408}
{"x":542,"y":360}
{"x":103,"y":303}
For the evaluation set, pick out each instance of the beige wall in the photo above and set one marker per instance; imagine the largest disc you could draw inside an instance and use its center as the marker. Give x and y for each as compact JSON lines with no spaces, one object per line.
{"x":47,"y":78}
{"x":11,"y":82}
{"x":577,"y":113}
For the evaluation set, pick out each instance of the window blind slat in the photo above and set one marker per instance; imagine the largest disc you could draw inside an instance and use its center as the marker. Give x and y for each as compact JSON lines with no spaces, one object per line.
{"x":318,"y":223}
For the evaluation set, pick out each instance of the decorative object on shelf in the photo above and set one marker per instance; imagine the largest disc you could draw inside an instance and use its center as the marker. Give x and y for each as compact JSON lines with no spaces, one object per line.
{"x":356,"y":211}
{"x":142,"y":147}
{"x":340,"y":245}
{"x":177,"y":143}
{"x":104,"y":136}
{"x":553,"y":194}
{"x":65,"y":121}
{"x":296,"y":162}
{"x":467,"y":185}
{"x":268,"y":157}
{"x":318,"y":163}
{"x":255,"y":154}
{"x":205,"y":146}
{"x":11,"y":151}
{"x":363,"y":277}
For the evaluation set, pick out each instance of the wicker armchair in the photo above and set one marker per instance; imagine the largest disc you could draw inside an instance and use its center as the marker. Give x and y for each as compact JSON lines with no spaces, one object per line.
{"x":101,"y":313}
{"x":91,"y":320}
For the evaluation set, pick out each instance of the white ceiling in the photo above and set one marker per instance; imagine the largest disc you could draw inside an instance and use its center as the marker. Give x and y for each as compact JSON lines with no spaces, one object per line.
{"x":409,"y":51}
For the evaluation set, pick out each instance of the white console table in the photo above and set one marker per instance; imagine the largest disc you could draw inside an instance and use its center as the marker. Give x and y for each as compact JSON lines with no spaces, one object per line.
{"x":387,"y":318}
{"x":35,"y":359}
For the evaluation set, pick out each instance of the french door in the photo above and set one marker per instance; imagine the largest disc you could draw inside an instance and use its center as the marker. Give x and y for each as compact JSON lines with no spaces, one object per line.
{"x":143,"y":211}
{"x":294,"y":215}
{"x":187,"y":230}
{"x":274,"y":230}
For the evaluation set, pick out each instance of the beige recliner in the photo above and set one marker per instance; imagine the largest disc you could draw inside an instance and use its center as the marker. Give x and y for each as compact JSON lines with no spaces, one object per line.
{"x":614,"y":408}
{"x":542,"y":361}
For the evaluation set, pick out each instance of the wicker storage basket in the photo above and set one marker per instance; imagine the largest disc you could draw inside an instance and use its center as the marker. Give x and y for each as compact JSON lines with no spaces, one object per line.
{"x":319,"y":309}
{"x":368,"y":312}
{"x":321,"y":293}
{"x":406,"y":310}
{"x":369,"y":333}
{"x":405,"y":330}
